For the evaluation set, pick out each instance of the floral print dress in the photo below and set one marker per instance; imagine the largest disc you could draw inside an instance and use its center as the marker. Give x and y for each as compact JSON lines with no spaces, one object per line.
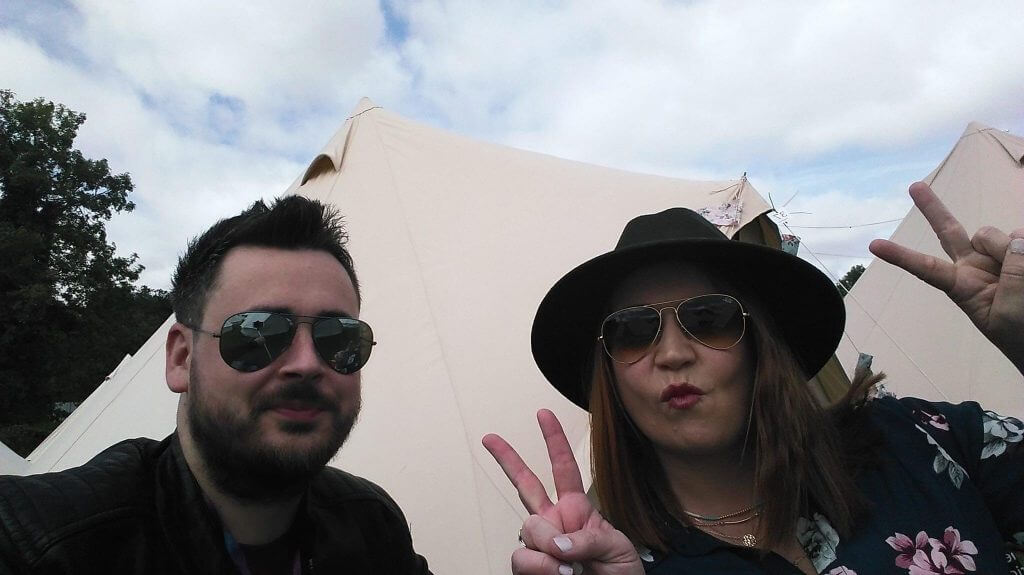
{"x":947,"y":497}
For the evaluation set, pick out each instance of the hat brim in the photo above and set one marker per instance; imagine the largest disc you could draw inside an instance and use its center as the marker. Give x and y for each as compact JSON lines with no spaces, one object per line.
{"x":804,"y":303}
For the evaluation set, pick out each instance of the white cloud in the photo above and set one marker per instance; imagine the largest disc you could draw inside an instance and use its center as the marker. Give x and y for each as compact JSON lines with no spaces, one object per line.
{"x":697,"y":82}
{"x":828,"y":240}
{"x":182,"y":184}
{"x":211,"y":105}
{"x":285,"y":65}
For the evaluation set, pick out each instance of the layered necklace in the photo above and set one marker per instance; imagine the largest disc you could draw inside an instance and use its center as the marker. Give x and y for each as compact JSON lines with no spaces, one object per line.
{"x":710,"y":522}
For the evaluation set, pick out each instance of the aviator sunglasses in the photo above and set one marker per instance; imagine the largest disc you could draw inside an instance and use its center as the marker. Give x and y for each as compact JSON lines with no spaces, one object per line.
{"x":715,"y":320}
{"x":252,"y":340}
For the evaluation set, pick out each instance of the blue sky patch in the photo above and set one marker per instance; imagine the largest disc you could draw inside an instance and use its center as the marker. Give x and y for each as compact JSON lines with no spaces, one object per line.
{"x":397,"y":27}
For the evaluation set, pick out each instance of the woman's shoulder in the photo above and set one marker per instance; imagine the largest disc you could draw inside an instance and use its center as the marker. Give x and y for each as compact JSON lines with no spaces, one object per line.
{"x":964,"y":433}
{"x":893,"y":413}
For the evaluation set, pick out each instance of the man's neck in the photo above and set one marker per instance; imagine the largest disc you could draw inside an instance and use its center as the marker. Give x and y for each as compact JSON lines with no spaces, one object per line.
{"x":249,"y":522}
{"x":254,"y":523}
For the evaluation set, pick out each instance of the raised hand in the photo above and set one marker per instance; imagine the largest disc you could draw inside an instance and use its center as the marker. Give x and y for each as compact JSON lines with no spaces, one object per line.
{"x":571,"y":531}
{"x":985,"y":277}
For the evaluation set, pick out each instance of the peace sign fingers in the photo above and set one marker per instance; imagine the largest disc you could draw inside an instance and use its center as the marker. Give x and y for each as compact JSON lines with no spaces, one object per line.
{"x":955,"y":242}
{"x":952,"y":236}
{"x":531,"y":490}
{"x":563,"y":465}
{"x":570,"y":532}
{"x":985,"y":278}
{"x":929,"y":269}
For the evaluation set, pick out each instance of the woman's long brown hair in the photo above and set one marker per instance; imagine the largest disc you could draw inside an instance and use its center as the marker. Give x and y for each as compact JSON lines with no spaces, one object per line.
{"x":800,"y":459}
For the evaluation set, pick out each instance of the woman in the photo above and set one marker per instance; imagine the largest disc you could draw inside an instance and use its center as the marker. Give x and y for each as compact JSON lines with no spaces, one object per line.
{"x":692,"y":352}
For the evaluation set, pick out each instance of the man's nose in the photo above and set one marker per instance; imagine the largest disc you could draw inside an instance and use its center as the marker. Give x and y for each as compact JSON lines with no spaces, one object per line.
{"x":301,"y":358}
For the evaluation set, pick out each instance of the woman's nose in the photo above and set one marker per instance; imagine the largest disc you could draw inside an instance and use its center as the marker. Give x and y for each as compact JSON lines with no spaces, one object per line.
{"x":674,"y":347}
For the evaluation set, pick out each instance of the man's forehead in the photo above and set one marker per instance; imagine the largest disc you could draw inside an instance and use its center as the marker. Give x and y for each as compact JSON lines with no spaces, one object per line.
{"x":303,"y":282}
{"x":287,"y":310}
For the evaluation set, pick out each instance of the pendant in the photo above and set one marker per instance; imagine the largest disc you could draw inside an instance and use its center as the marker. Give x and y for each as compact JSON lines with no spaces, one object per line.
{"x":749,"y":540}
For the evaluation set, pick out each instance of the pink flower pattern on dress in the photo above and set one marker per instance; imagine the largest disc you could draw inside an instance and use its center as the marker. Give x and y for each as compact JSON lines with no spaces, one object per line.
{"x":938,"y":421}
{"x":929,"y":556}
{"x":956,"y":550}
{"x":907,"y":547}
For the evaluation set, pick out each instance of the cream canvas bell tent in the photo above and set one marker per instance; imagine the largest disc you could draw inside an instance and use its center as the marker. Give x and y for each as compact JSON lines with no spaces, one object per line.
{"x":10,"y":462}
{"x":925,"y":344}
{"x":455,"y":243}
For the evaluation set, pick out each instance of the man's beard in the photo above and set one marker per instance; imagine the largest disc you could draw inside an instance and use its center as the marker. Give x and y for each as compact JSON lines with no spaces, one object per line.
{"x":241,"y":464}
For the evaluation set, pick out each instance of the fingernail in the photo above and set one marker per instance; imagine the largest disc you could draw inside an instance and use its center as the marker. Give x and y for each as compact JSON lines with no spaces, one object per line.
{"x":564,"y":569}
{"x":563,"y":542}
{"x":1017,"y":246}
{"x":577,"y":568}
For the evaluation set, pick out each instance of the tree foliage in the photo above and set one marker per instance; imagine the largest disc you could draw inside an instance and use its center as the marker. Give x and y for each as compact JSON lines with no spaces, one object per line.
{"x":846,"y":283}
{"x":69,"y":304}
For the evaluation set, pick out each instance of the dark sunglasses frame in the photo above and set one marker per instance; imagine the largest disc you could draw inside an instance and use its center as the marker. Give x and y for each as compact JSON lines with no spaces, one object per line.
{"x":365,"y":335}
{"x":674,"y":305}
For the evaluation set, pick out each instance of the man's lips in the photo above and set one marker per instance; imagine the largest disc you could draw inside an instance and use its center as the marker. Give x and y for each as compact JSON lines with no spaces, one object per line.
{"x":297,"y":411}
{"x":681,"y":395}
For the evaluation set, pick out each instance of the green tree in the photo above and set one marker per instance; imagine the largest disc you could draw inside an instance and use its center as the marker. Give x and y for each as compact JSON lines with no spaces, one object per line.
{"x":846,"y":283}
{"x":69,"y":305}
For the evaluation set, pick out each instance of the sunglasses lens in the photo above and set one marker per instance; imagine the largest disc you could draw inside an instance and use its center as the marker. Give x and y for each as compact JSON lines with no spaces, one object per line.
{"x":252,"y":340}
{"x":715,"y":320}
{"x":627,"y":334}
{"x":344,"y":343}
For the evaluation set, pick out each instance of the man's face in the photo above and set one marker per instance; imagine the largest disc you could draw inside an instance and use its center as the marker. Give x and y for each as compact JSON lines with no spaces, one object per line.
{"x":265,"y":433}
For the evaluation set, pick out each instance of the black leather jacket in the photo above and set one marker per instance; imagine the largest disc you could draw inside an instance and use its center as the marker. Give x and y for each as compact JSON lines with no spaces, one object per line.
{"x":136,"y":508}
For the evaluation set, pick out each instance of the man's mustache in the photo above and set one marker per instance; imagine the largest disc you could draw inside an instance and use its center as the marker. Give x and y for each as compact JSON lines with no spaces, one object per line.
{"x":303,"y":393}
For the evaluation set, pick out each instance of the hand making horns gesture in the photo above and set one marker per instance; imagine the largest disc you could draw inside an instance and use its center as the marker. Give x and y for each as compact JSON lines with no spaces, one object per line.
{"x":985,"y":278}
{"x":568,"y":532}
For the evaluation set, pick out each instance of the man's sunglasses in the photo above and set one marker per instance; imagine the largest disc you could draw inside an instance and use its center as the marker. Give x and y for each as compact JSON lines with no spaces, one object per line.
{"x":252,"y":340}
{"x":715,"y":320}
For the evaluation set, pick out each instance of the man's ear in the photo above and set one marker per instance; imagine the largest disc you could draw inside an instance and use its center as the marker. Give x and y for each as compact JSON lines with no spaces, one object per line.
{"x":179,"y":358}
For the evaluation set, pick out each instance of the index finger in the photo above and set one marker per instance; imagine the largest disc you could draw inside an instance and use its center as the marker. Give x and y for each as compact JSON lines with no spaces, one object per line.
{"x":935,"y":272}
{"x":531,"y":490}
{"x":952,"y":236}
{"x":563,"y":465}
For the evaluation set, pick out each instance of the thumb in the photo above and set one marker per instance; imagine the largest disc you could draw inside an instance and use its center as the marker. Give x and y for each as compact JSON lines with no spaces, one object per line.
{"x":608,"y":546}
{"x":1009,"y":296}
{"x":1013,"y":262}
{"x":1008,"y":301}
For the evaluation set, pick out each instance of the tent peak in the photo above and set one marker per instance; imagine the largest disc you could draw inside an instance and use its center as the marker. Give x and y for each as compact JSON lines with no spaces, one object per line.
{"x":1013,"y":144}
{"x":365,"y":104}
{"x":332,"y":155}
{"x":973,"y":128}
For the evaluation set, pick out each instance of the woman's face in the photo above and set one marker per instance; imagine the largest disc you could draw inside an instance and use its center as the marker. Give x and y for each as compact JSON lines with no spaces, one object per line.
{"x":687,"y":398}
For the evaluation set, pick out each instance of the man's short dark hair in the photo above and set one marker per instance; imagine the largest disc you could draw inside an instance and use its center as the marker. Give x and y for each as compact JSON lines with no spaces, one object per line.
{"x":291,"y":223}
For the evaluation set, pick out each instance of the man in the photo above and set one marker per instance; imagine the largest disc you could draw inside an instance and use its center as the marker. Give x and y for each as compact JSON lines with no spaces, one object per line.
{"x":265,"y":357}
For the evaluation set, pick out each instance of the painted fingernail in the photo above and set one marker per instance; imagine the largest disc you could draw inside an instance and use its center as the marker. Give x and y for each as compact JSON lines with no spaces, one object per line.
{"x":577,"y":568}
{"x":1017,"y":246}
{"x":564,"y":569}
{"x":563,"y":542}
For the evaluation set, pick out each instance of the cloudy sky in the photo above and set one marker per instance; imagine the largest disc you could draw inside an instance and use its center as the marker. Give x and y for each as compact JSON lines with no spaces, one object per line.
{"x":833,"y":108}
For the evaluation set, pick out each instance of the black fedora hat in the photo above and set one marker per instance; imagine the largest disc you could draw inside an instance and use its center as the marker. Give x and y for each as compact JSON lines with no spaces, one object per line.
{"x":804,"y":303}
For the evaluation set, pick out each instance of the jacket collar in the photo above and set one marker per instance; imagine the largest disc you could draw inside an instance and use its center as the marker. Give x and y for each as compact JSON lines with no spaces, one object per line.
{"x":190,"y":524}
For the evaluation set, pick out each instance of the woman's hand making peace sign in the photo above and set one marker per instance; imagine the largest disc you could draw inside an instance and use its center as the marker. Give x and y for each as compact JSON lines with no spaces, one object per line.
{"x":985,"y":277}
{"x":559,"y":535}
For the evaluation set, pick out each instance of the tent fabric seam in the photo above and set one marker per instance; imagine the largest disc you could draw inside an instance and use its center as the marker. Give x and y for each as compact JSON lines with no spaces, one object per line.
{"x":430,"y":307}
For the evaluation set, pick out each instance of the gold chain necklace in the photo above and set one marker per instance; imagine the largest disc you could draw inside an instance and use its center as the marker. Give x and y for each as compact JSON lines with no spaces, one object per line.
{"x":756,"y":506}
{"x":709,"y":522}
{"x":747,"y":539}
{"x":701,"y":522}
